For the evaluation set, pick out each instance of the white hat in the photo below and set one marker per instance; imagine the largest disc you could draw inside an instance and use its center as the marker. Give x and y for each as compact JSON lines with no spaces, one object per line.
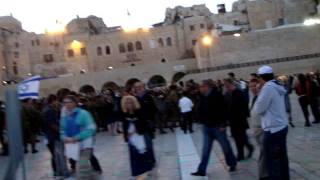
{"x":265,"y":70}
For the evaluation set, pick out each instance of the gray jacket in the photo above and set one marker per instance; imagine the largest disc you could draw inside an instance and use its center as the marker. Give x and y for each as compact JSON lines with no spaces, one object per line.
{"x":271,"y":107}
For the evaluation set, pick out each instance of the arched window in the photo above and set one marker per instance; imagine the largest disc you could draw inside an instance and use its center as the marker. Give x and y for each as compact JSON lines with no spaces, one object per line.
{"x":108,"y":51}
{"x":160,"y":42}
{"x":169,"y":41}
{"x":122,"y":48}
{"x":99,"y":51}
{"x":139,"y":45}
{"x":130,"y":46}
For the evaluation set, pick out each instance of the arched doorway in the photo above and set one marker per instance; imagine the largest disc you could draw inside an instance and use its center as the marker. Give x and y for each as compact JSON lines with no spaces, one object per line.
{"x":157,"y":81}
{"x":87,"y":90}
{"x":110,"y":85}
{"x":178,"y":76}
{"x":130,"y":83}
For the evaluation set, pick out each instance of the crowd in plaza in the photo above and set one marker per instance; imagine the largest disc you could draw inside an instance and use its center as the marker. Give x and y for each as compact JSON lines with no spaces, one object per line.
{"x":70,"y":120}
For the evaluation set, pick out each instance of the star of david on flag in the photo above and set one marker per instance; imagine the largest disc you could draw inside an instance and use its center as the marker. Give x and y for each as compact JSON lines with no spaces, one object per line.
{"x":29,"y":88}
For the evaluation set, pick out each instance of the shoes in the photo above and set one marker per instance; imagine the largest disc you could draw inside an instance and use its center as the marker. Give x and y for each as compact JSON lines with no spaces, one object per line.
{"x":307,"y":125}
{"x":240,"y":158}
{"x":198,"y":174}
{"x":233,"y":169}
{"x":315,"y":122}
{"x":34,"y":151}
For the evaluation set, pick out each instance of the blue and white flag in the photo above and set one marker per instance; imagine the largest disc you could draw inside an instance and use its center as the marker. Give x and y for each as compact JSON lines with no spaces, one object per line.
{"x":29,"y":88}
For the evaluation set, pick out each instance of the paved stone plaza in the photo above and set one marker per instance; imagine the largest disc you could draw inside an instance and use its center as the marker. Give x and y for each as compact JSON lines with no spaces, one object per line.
{"x":175,"y":161}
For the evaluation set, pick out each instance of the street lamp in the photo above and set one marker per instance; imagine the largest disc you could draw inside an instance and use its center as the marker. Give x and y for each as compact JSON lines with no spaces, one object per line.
{"x":310,"y":22}
{"x":207,"y":42}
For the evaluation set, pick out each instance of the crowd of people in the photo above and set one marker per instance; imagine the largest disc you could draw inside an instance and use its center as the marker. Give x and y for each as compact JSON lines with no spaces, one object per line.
{"x":137,"y":113}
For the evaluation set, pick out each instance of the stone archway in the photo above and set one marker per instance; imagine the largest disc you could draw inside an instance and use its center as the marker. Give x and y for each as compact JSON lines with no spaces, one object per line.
{"x":110,"y":85}
{"x":157,"y":81}
{"x":87,"y":90}
{"x":177,"y":77}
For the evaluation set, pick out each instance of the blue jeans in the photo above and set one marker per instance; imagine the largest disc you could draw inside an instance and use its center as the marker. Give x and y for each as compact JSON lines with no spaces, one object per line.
{"x":211,"y":134}
{"x":275,"y":146}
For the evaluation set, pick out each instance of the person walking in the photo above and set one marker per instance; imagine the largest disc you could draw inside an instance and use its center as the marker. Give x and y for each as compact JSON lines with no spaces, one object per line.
{"x":77,"y":127}
{"x":308,"y":94}
{"x":148,"y":110}
{"x":238,"y":113}
{"x":136,"y":134}
{"x":51,"y":117}
{"x":270,"y":105}
{"x":257,"y":129}
{"x":212,"y":110}
{"x":186,"y":105}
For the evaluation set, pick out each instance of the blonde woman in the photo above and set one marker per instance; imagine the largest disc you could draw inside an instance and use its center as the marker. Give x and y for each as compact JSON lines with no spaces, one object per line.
{"x":136,"y":135}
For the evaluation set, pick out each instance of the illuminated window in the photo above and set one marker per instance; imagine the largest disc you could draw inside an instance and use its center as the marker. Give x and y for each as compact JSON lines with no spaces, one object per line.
{"x":169,"y":41}
{"x":108,"y":51}
{"x":122,"y":48}
{"x":99,"y":51}
{"x":139,"y":45}
{"x":160,"y":42}
{"x":130,"y":46}
{"x":70,"y":53}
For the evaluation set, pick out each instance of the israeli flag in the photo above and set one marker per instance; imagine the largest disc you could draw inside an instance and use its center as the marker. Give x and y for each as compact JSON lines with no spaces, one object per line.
{"x":29,"y":88}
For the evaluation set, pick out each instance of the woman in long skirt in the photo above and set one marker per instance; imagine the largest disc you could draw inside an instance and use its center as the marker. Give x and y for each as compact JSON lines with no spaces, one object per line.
{"x":136,"y":134}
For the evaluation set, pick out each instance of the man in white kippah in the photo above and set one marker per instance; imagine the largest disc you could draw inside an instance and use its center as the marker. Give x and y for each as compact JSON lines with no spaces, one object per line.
{"x":271,"y":107}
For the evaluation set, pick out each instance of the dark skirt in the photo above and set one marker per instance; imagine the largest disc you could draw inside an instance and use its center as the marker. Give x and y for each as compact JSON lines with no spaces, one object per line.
{"x":141,"y":163}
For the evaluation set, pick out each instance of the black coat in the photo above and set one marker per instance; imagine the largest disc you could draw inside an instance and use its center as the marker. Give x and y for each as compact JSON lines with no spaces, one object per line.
{"x":238,"y":109}
{"x":137,"y":119}
{"x":211,"y":109}
{"x":148,"y":106}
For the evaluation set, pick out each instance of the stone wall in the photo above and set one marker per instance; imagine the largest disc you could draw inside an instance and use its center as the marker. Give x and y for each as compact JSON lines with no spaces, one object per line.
{"x":265,"y":44}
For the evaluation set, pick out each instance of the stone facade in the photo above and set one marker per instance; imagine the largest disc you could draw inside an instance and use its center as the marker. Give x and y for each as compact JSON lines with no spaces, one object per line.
{"x":88,"y":45}
{"x":286,"y":41}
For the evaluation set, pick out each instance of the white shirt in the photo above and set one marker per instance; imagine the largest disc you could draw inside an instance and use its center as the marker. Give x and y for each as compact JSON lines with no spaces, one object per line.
{"x":185,"y":105}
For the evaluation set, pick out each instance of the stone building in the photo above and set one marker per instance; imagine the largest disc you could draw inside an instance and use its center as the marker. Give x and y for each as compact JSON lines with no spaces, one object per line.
{"x":89,"y":45}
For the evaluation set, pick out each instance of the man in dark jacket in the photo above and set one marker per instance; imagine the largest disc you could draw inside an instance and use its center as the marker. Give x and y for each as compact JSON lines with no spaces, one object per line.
{"x":212,"y":115}
{"x":51,"y":117}
{"x":3,"y":142}
{"x":148,"y":110}
{"x":238,"y":112}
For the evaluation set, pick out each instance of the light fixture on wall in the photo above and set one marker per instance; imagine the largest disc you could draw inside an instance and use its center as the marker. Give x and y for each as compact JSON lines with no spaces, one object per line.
{"x":83,"y":71}
{"x":207,"y":40}
{"x":236,"y":34}
{"x":110,"y":68}
{"x":310,"y":22}
{"x":29,"y":74}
